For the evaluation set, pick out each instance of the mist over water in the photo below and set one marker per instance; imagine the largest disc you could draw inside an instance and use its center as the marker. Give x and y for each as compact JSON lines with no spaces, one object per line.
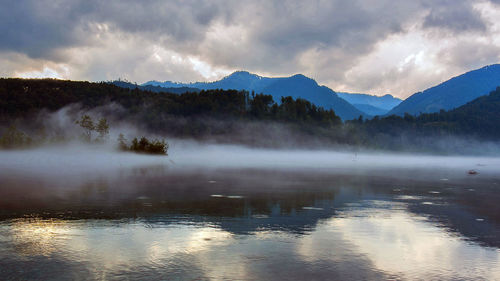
{"x":211,"y":211}
{"x":232,"y":156}
{"x":76,"y":159}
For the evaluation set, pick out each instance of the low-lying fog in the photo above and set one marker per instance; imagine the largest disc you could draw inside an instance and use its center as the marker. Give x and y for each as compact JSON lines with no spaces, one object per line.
{"x":75,"y":160}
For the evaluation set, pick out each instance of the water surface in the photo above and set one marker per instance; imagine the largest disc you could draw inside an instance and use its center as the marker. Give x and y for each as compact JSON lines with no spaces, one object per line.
{"x":151,"y":218}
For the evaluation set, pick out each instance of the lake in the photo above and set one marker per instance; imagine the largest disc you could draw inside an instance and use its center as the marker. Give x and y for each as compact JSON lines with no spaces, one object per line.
{"x":230,"y":213}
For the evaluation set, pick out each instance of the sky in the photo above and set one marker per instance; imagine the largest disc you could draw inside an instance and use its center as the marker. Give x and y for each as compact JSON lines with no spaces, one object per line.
{"x":371,"y":46}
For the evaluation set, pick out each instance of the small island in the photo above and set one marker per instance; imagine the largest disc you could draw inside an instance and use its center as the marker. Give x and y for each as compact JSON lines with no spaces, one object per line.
{"x":93,"y":133}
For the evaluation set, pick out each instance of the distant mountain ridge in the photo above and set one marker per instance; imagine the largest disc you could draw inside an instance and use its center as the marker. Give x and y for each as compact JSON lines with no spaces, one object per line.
{"x":153,"y":88}
{"x":452,"y":93}
{"x":384,"y":102}
{"x":370,"y":109}
{"x":296,"y":86}
{"x":370,"y":104}
{"x":239,"y":80}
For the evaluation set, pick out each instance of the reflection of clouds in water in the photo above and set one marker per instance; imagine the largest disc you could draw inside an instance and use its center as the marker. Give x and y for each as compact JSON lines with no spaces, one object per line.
{"x":194,"y":251}
{"x":113,"y":248}
{"x":399,"y":243}
{"x":201,"y":245}
{"x":368,"y":243}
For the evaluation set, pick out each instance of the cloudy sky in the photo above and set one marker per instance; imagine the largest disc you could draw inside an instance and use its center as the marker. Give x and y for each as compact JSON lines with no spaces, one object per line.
{"x":372,"y":46}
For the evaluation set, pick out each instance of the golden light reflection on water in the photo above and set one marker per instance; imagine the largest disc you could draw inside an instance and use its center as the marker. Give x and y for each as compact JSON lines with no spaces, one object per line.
{"x":38,"y":237}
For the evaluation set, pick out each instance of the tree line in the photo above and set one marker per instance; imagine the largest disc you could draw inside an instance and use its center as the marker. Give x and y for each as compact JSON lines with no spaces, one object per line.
{"x":22,"y":97}
{"x":220,"y":112}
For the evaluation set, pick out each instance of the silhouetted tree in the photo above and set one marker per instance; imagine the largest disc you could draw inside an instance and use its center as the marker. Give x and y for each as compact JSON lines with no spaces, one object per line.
{"x":102,"y":128}
{"x":13,"y":138}
{"x":88,"y":126}
{"x":122,"y":143}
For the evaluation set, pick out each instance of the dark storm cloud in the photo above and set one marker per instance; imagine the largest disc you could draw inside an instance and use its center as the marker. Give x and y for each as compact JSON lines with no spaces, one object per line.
{"x":337,"y":23}
{"x":323,"y":39}
{"x":182,"y":20}
{"x":454,"y":15}
{"x":279,"y":32}
{"x":38,"y":29}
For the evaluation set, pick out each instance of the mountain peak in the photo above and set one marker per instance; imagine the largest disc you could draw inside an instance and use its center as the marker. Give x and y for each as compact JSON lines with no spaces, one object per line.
{"x":299,"y":75}
{"x":302,"y":79}
{"x":241,"y":74}
{"x":389,"y":96}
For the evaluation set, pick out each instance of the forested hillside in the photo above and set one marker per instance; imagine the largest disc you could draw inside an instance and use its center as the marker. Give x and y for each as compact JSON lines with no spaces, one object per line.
{"x":479,"y":119}
{"x":240,"y":116}
{"x":21,"y":98}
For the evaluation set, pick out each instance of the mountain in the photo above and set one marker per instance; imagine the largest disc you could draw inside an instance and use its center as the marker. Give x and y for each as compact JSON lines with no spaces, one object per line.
{"x":479,"y":118}
{"x":239,"y":80}
{"x":452,"y":93}
{"x":154,"y":88}
{"x":296,"y":86}
{"x":369,"y":104}
{"x":370,"y":109}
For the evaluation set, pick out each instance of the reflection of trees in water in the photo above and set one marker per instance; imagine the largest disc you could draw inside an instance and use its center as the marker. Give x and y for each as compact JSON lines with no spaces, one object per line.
{"x":91,"y":192}
{"x":473,"y":213}
{"x":232,"y":205}
{"x":248,"y":200}
{"x":151,"y":193}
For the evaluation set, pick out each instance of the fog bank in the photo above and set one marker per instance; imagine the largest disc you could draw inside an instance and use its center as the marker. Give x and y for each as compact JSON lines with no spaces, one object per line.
{"x":77,"y":161}
{"x":233,"y":156}
{"x":59,"y":127}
